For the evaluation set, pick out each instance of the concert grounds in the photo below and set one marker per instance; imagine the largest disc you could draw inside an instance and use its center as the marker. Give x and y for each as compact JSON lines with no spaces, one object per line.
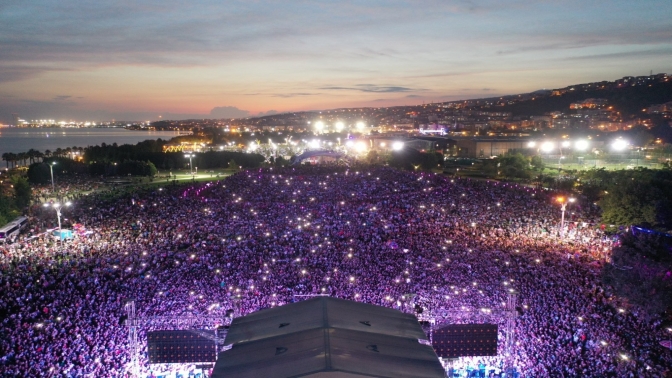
{"x":455,"y":247}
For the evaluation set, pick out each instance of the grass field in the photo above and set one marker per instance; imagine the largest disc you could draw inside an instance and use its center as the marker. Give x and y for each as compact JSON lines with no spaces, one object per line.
{"x":606,"y":164}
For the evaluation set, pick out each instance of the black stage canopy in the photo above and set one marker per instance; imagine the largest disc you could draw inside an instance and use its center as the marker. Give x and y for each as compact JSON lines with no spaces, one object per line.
{"x":327,"y":337}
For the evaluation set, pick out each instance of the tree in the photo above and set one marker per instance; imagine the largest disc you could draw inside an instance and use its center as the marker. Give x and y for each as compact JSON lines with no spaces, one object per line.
{"x":151,"y":169}
{"x":136,"y":168}
{"x":406,"y":158}
{"x":233,"y":165}
{"x":22,"y":157}
{"x":513,"y":165}
{"x":639,"y":196}
{"x":640,"y":272}
{"x":10,"y":157}
{"x":537,"y":163}
{"x":428,"y":160}
{"x":5,"y":209}
{"x":22,"y":192}
{"x":280,"y":161}
{"x":39,"y":173}
{"x":32,"y":155}
{"x":372,"y":157}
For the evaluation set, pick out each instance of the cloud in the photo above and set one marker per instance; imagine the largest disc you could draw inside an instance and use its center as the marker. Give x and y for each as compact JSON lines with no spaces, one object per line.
{"x":413,"y":96}
{"x":228,"y":112}
{"x":62,"y":98}
{"x":625,"y":54}
{"x":18,"y":73}
{"x":289,"y":95}
{"x":371,"y":88}
{"x":270,"y":112}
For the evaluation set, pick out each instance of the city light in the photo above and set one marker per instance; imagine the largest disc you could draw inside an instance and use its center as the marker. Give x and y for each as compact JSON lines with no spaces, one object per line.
{"x":397,"y":146}
{"x":319,"y":125}
{"x":619,"y":144}
{"x":339,"y":126}
{"x":360,"y":146}
{"x":547,"y":146}
{"x":360,"y":125}
{"x":581,"y":145}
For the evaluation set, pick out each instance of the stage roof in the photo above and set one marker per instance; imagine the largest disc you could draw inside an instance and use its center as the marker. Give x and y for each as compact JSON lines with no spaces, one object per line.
{"x":327,"y":337}
{"x":324,"y":312}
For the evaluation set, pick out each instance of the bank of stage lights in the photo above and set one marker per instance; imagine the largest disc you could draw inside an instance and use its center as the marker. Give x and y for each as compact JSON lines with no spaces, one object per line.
{"x":338,"y":126}
{"x":578,"y":145}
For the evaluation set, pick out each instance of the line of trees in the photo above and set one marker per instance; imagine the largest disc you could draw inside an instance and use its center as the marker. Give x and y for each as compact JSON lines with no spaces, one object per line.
{"x":639,"y":196}
{"x":641,"y":272}
{"x":143,"y":159}
{"x":31,"y":156}
{"x":13,"y":198}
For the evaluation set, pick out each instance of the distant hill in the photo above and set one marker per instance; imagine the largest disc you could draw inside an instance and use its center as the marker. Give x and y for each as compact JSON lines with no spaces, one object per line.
{"x":628,"y":100}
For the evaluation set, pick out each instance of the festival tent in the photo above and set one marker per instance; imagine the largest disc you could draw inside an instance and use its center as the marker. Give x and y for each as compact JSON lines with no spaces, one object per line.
{"x":327,"y":337}
{"x":63,"y":234}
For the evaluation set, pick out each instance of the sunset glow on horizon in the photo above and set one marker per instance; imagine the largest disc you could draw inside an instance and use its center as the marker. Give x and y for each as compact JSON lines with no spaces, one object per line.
{"x":142,"y":60}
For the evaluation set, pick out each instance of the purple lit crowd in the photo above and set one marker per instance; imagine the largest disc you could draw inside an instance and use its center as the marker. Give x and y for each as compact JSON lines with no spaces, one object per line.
{"x":454,"y":247}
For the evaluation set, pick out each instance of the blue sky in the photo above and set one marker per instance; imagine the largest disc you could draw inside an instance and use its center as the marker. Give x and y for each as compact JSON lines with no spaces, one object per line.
{"x":136,"y":60}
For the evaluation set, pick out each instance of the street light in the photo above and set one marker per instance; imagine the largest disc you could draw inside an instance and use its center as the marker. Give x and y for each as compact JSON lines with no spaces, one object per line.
{"x":191,"y":170}
{"x":562,"y":219}
{"x":51,"y":169}
{"x":58,"y":207}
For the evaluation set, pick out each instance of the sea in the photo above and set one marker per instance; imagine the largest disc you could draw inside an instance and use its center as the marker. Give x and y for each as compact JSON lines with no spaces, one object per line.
{"x":14,"y":139}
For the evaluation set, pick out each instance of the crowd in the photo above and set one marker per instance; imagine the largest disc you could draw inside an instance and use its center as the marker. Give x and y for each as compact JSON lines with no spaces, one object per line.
{"x":454,"y":247}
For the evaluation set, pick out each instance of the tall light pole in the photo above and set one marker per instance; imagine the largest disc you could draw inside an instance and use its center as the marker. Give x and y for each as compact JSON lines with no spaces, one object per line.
{"x":58,"y":207}
{"x":191,"y":170}
{"x":563,"y":207}
{"x":51,"y":169}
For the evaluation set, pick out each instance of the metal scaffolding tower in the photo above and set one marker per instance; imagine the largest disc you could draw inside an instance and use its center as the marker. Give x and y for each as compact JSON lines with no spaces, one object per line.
{"x":507,"y":316}
{"x":510,"y":327}
{"x":131,"y":323}
{"x":189,"y":322}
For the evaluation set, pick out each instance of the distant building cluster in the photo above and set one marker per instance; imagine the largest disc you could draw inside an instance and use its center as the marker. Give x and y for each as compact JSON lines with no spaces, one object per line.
{"x":479,"y":117}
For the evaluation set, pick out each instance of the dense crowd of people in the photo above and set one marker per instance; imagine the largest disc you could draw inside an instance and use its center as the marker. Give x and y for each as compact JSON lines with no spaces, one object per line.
{"x":454,"y":247}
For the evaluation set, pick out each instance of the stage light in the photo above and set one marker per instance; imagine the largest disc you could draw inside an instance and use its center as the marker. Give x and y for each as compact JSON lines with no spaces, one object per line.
{"x":581,"y":145}
{"x":547,"y":146}
{"x":619,"y":144}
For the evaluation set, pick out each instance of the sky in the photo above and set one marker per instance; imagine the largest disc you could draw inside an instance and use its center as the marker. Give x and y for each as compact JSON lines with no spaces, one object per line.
{"x":140,"y":60}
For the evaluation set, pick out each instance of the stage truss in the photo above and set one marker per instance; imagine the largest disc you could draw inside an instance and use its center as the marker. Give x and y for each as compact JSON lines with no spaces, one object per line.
{"x":508,"y":313}
{"x":191,"y":322}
